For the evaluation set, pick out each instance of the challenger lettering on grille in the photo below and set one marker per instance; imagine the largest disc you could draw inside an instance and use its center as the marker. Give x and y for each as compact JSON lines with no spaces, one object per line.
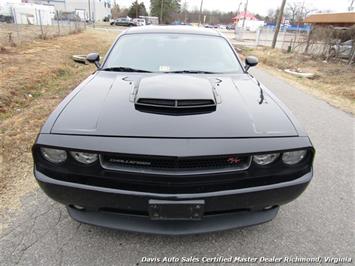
{"x":132,"y":162}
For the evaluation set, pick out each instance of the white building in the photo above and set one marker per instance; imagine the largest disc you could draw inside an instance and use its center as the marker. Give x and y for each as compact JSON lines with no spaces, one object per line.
{"x":27,"y":13}
{"x":86,"y":9}
{"x":5,"y":6}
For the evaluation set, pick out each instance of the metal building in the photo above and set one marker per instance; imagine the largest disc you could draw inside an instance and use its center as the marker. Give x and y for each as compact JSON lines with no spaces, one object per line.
{"x":93,"y":10}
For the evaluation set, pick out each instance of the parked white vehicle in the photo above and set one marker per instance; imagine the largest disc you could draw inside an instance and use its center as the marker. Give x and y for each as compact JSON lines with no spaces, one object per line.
{"x":139,"y":21}
{"x":251,"y":25}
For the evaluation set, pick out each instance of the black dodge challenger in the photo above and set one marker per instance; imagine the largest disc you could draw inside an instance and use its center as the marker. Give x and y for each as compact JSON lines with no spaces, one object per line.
{"x":172,"y":135}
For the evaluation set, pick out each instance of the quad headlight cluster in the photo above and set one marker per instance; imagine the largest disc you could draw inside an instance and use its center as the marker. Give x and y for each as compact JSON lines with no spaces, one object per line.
{"x":289,"y":157}
{"x":59,"y":156}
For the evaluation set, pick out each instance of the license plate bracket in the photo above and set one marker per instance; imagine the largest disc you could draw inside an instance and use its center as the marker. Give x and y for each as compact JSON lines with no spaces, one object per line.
{"x":176,"y":210}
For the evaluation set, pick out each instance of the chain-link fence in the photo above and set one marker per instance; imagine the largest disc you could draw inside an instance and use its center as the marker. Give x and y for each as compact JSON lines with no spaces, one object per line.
{"x":13,"y":34}
{"x":322,"y":41}
{"x":291,"y":41}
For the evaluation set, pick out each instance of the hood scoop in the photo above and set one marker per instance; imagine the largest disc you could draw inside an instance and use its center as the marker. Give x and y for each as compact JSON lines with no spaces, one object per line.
{"x":175,"y":95}
{"x":175,"y":107}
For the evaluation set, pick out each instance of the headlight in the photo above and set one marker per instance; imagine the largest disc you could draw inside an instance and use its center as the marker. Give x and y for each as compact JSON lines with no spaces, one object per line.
{"x":54,"y":155}
{"x":293,"y":157}
{"x":84,"y":157}
{"x":264,"y":159}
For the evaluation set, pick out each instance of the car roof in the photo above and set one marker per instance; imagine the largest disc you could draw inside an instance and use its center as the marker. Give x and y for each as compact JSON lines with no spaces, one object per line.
{"x":172,"y":29}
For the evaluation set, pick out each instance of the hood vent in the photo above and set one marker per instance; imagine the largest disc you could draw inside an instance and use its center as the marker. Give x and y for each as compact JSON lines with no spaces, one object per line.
{"x":175,"y":107}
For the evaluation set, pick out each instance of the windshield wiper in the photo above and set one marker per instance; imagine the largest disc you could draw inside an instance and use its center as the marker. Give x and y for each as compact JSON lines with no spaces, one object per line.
{"x":125,"y":69}
{"x":192,"y":72}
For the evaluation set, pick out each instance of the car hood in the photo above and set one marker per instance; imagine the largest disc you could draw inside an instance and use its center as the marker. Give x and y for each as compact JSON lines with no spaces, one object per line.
{"x":107,"y":106}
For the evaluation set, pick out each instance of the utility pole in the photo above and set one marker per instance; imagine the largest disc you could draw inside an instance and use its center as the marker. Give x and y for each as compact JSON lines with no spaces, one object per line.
{"x":200,"y":14}
{"x":89,"y":11}
{"x":350,"y":8}
{"x":245,"y":13}
{"x":278,"y":24}
{"x":161,"y":11}
{"x":185,"y":14}
{"x":236,"y":22}
{"x":137,"y":7}
{"x":94,"y":12}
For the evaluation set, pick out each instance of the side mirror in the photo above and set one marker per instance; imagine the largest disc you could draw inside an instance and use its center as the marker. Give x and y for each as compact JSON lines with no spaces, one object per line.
{"x":250,"y":61}
{"x":94,"y":58}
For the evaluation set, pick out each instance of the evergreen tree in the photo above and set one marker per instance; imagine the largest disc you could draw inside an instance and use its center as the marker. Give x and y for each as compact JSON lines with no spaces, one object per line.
{"x":137,"y":9}
{"x":171,"y":8}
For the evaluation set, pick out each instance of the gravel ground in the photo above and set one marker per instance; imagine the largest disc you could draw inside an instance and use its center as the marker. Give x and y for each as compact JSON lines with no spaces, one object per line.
{"x":319,"y":223}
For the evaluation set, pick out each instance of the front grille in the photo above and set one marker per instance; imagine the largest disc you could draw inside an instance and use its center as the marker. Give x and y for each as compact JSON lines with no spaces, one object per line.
{"x":158,"y":174}
{"x":174,"y":165}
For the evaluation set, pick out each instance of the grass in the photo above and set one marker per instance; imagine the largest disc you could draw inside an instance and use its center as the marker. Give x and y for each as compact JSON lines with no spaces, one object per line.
{"x":333,"y":81}
{"x":26,"y":72}
{"x":33,"y":80}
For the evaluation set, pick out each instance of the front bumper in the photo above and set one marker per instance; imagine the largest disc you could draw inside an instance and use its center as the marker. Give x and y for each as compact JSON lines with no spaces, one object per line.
{"x":128,"y":210}
{"x":143,"y":224}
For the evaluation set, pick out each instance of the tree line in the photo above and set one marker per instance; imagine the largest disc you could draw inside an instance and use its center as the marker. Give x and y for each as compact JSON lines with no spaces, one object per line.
{"x":174,"y":10}
{"x":170,"y":11}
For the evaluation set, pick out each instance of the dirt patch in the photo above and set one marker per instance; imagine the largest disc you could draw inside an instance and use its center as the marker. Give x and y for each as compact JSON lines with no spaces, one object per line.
{"x":34,"y":79}
{"x":332,"y":81}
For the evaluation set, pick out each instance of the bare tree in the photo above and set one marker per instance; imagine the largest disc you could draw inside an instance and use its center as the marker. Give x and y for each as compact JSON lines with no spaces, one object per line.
{"x":292,"y":11}
{"x":296,"y":12}
{"x":271,"y":16}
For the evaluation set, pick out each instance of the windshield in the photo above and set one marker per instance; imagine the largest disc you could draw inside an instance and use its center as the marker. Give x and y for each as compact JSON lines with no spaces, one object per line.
{"x":173,"y":53}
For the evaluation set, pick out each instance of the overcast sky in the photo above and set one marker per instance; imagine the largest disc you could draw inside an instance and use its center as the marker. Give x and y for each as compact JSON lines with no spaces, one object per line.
{"x":255,"y":6}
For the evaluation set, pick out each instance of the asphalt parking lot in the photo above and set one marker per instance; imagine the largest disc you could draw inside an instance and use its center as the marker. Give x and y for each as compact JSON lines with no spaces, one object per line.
{"x":319,"y":223}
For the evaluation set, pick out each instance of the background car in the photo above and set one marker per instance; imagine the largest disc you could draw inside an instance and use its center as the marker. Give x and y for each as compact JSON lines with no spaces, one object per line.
{"x":127,"y":22}
{"x":139,"y":21}
{"x":222,"y":27}
{"x":107,"y":18}
{"x":230,"y":27}
{"x":341,"y":49}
